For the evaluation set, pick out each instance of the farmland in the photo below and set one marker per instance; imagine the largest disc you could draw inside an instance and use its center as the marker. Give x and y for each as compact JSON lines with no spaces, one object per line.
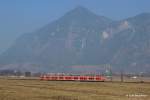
{"x":29,"y":89}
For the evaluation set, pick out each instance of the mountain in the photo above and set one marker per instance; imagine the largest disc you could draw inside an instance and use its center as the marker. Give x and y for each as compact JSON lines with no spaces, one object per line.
{"x":81,"y":40}
{"x":129,"y":41}
{"x":72,"y":39}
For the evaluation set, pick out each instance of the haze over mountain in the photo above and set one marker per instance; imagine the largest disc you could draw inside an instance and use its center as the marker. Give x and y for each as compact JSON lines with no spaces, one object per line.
{"x":83,"y":38}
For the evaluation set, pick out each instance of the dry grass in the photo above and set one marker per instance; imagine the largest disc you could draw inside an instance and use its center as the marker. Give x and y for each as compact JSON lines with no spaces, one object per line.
{"x":62,"y":90}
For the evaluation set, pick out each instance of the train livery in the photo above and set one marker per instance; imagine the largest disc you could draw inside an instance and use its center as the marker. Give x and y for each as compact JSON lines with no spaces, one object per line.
{"x":95,"y":78}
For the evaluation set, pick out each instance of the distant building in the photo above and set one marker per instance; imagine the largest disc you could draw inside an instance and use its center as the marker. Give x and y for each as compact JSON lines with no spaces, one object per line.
{"x":27,"y":74}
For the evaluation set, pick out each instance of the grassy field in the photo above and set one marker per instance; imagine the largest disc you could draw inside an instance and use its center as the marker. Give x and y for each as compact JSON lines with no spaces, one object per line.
{"x":63,"y":90}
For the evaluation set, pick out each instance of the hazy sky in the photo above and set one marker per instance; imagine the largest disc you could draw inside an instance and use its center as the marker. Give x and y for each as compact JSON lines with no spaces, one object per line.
{"x":22,"y":16}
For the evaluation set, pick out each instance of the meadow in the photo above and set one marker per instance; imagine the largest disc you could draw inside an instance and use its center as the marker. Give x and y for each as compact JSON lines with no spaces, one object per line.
{"x":28,"y":89}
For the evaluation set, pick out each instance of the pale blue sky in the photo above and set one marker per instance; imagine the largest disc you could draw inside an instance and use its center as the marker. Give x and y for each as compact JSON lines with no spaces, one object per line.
{"x":21,"y":16}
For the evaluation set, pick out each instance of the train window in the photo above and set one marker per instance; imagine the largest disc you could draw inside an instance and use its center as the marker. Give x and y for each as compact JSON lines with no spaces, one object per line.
{"x":61,"y":78}
{"x":98,"y":78}
{"x":76,"y":77}
{"x":54,"y":78}
{"x":91,"y":78}
{"x":68,"y":77}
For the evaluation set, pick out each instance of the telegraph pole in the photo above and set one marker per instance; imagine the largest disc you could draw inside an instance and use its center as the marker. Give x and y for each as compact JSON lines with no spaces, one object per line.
{"x":121,"y":76}
{"x":110,"y":73}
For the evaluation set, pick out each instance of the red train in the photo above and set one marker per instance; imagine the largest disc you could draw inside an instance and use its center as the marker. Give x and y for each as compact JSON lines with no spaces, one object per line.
{"x":72,"y":78}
